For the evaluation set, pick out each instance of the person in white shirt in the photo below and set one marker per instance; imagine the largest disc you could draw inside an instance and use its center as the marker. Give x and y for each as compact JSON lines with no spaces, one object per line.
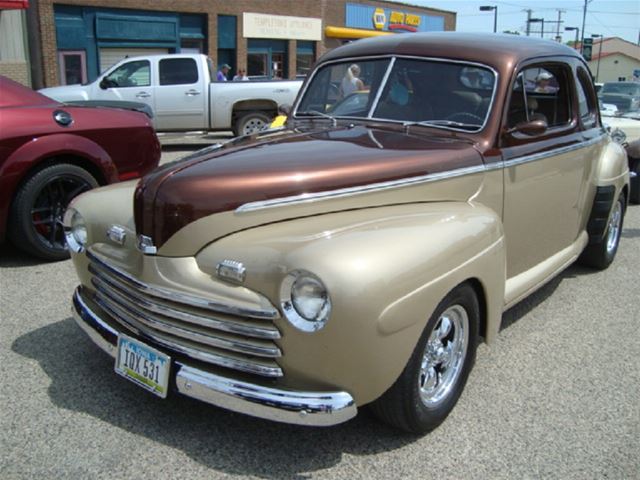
{"x":350,"y":82}
{"x":241,"y":76}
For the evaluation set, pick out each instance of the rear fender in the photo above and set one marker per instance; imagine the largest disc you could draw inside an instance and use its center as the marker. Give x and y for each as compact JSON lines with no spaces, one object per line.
{"x":386,"y":270}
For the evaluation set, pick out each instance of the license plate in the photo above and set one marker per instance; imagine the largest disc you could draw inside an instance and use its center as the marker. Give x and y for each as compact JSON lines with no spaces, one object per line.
{"x":143,"y":365}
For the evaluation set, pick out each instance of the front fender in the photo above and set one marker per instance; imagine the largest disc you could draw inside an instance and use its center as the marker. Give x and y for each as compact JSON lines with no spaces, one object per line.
{"x":613,"y":167}
{"x":386,"y":270}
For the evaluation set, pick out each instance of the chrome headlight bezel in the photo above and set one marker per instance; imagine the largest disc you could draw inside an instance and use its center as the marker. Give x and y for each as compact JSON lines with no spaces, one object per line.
{"x":290,"y":305}
{"x":75,"y":230}
{"x":618,"y":136}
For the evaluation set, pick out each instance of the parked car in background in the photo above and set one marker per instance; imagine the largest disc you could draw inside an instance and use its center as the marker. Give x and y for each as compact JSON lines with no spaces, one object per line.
{"x":359,"y":254}
{"x":180,"y":91}
{"x":624,"y":95}
{"x":50,"y":153}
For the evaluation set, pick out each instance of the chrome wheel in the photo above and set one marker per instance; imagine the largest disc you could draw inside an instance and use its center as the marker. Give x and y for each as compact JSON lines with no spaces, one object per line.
{"x":444,"y":355}
{"x":613,"y":228}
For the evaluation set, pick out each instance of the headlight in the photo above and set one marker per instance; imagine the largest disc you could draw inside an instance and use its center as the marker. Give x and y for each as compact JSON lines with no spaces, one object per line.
{"x":305,"y":301}
{"x":618,"y":136}
{"x":75,"y":230}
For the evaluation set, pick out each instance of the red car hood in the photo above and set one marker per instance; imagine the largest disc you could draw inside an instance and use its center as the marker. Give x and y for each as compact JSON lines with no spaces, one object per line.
{"x":177,"y":194}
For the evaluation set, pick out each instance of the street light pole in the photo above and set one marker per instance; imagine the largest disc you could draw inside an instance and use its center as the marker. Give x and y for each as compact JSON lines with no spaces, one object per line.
{"x":597,"y":35}
{"x":541,"y":21}
{"x":577,"y":30}
{"x":488,"y":8}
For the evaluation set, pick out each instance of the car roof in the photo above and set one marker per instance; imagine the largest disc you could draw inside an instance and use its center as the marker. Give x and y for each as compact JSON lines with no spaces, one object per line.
{"x":501,"y":51}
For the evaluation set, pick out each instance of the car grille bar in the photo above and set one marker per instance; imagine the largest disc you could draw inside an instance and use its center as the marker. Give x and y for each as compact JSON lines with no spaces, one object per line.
{"x":230,"y":341}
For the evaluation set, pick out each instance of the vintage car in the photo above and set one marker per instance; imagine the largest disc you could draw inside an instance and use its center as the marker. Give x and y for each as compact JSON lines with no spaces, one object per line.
{"x":50,"y":153}
{"x":343,"y":261}
{"x":624,"y":129}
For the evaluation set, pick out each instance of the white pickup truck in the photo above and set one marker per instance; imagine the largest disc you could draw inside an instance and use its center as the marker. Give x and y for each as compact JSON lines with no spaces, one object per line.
{"x":182,"y":96}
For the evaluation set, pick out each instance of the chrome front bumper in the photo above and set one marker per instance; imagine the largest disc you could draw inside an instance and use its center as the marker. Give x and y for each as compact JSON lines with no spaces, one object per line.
{"x":303,"y":408}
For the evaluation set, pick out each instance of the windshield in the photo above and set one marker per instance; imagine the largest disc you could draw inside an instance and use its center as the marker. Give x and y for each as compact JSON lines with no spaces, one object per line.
{"x":436,"y":93}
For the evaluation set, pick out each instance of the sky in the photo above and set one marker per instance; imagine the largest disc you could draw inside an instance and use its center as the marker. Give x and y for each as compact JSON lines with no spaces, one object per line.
{"x":610,"y":18}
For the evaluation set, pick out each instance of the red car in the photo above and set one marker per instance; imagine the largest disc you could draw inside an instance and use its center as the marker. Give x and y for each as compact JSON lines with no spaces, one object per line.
{"x":51,"y":152}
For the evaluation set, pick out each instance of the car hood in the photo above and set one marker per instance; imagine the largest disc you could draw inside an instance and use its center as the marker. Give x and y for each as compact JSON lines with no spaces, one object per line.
{"x":289,"y":166}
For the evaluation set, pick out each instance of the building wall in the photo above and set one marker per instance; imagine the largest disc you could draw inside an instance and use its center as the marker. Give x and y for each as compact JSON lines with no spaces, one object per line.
{"x":614,"y":67}
{"x":332,"y":12}
{"x":613,"y":45}
{"x":13,"y":54}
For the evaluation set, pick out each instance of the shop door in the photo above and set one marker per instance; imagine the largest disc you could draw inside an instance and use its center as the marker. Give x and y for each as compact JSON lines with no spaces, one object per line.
{"x":267,"y":59}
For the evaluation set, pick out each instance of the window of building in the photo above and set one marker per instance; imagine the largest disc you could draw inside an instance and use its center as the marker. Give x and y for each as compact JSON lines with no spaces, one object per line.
{"x":227,"y":29}
{"x":178,"y":71}
{"x":267,"y":59}
{"x":305,"y":56}
{"x":73,"y":67}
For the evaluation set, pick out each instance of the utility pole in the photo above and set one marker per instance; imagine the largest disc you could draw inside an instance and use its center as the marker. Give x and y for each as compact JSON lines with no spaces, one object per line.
{"x":529,"y":11}
{"x":584,"y":20}
{"x":558,"y":37}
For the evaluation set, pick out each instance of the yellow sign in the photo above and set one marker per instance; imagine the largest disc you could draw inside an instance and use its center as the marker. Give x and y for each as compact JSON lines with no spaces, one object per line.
{"x":379,"y":18}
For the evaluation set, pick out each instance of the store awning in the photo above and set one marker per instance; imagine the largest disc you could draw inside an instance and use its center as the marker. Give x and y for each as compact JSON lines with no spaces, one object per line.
{"x":14,"y":4}
{"x":344,"y":32}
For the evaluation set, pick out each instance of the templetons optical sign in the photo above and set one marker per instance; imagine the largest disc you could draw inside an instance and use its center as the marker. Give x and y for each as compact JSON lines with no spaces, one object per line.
{"x":258,"y":25}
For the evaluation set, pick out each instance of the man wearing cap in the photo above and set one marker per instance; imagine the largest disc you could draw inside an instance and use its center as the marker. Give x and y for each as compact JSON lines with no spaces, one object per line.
{"x":543,"y":83}
{"x":222,"y":73}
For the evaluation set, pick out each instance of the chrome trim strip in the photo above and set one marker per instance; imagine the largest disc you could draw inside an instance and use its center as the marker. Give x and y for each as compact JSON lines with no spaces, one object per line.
{"x":382,"y":85}
{"x":301,"y":408}
{"x":185,"y":298}
{"x":209,"y":357}
{"x":264,"y":332}
{"x":550,"y":153}
{"x":320,"y":409}
{"x":107,"y":295}
{"x":341,"y":192}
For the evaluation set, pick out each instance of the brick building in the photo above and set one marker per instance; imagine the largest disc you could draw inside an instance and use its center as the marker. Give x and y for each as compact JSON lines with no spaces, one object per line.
{"x":276,"y":38}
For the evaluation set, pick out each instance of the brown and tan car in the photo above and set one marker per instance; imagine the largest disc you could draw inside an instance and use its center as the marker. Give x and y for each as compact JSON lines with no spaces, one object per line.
{"x":358,"y":255}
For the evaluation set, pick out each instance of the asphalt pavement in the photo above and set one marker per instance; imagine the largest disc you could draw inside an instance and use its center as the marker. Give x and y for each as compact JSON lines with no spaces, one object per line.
{"x":557,"y":396}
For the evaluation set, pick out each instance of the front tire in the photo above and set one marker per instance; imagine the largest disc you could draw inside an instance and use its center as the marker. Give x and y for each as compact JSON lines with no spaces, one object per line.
{"x":601,"y":253}
{"x":35,"y":224}
{"x":435,"y":375}
{"x":252,"y":122}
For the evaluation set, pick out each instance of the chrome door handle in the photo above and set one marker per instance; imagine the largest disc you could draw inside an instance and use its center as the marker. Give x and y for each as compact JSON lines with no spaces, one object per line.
{"x":192,"y":93}
{"x":142,"y":95}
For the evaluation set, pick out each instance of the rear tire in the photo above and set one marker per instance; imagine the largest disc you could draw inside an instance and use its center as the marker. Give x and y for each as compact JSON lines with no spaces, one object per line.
{"x":35,"y":222}
{"x":435,"y":375}
{"x":251,"y":122}
{"x":601,"y":253}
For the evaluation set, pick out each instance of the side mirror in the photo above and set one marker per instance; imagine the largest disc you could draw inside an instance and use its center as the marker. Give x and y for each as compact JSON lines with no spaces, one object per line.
{"x":284,"y":109}
{"x":532,"y":127}
{"x":104,"y":83}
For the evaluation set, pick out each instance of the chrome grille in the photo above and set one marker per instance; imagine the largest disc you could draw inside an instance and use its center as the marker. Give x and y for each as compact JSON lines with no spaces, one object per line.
{"x":221,"y":334}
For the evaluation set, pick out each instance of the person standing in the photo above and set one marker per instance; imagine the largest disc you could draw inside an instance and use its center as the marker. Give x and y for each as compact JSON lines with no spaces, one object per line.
{"x":222,"y":73}
{"x":241,"y":76}
{"x":350,"y":82}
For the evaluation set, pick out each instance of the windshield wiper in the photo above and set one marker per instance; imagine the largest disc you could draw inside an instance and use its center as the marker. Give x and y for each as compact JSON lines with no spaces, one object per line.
{"x":315,"y":113}
{"x":447,"y":123}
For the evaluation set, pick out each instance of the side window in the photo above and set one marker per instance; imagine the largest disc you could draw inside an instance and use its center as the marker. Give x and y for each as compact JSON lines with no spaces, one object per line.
{"x":130,"y":74}
{"x":586,"y":102}
{"x":178,"y":71}
{"x":541,"y":93}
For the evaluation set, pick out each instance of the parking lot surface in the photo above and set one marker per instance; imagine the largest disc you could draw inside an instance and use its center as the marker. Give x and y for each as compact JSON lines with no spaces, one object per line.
{"x":556,"y":396}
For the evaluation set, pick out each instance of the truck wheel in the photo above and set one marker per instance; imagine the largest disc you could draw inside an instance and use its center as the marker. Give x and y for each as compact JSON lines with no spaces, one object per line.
{"x":251,"y":122}
{"x":600,"y":254}
{"x":35,"y":222}
{"x":435,"y":375}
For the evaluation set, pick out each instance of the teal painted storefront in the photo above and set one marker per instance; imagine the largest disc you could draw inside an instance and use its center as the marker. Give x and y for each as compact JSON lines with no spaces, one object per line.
{"x":90,"y":29}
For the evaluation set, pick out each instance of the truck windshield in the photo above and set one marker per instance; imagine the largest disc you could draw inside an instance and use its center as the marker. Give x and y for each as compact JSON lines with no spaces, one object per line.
{"x":408,"y":90}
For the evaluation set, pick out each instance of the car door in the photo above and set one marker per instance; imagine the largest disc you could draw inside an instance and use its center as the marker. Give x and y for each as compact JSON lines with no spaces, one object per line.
{"x":180,"y":95}
{"x":546,"y":176}
{"x":130,"y":81}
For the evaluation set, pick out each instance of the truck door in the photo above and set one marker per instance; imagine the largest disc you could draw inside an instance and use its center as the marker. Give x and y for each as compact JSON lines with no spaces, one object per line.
{"x":130,"y":81}
{"x":181,"y":95}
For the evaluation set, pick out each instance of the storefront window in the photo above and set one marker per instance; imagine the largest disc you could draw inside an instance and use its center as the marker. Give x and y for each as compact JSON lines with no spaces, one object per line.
{"x":305,"y":56}
{"x":73,"y":68}
{"x":267,"y":59}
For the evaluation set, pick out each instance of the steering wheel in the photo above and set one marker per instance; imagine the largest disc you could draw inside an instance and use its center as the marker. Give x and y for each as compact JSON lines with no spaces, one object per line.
{"x":464,"y":117}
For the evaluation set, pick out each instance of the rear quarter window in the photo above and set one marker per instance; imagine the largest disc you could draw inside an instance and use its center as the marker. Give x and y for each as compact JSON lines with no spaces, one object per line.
{"x":178,"y":71}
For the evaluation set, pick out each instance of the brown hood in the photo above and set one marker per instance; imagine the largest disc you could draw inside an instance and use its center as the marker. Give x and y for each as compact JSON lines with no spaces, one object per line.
{"x":174,"y":196}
